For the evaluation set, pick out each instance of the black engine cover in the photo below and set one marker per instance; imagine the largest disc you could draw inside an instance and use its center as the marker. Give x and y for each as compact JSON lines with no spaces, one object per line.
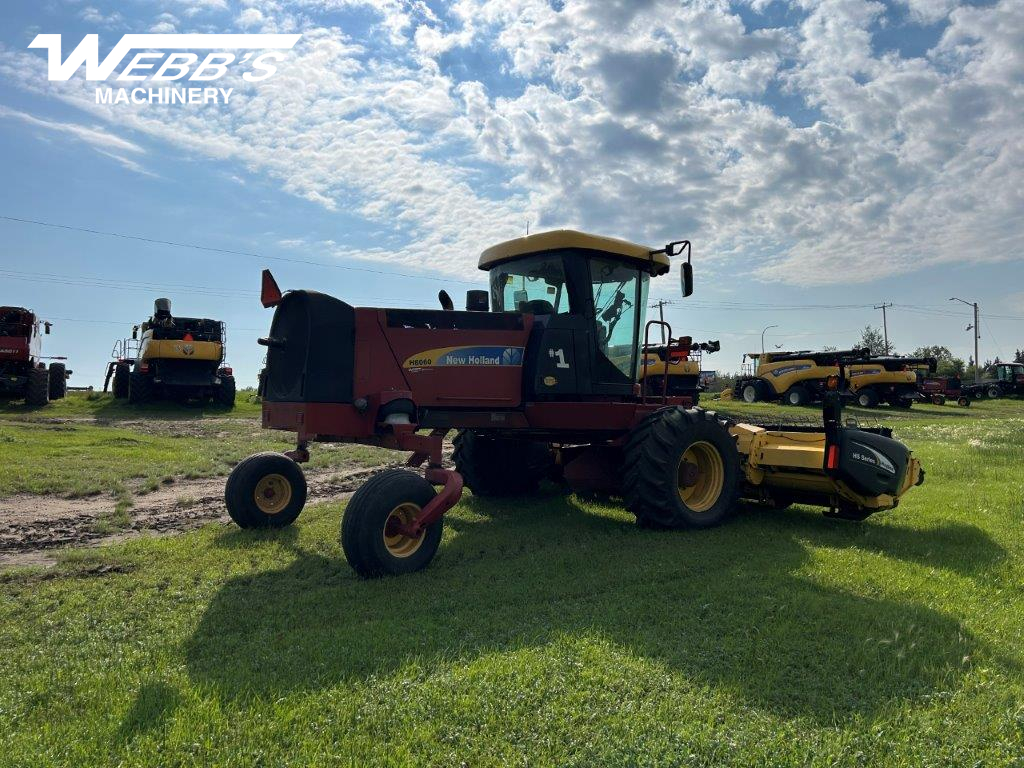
{"x":870,"y":463}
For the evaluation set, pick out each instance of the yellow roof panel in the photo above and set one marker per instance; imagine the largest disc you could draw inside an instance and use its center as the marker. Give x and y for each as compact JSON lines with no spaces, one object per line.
{"x":558,"y":239}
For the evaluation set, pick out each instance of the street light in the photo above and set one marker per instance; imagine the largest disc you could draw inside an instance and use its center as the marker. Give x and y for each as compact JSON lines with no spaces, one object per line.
{"x":762,"y":336}
{"x":977,"y":335}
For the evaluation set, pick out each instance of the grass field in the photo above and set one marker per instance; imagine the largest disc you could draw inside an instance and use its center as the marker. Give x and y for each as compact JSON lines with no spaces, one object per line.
{"x":86,"y":445}
{"x":550,"y":631}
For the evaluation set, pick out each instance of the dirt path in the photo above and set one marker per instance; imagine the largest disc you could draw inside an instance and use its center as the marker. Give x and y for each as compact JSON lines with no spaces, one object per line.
{"x":32,"y":527}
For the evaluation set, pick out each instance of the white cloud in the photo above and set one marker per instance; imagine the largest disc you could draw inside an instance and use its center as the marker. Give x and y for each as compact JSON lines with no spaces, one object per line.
{"x":641,"y":119}
{"x":100,"y":140}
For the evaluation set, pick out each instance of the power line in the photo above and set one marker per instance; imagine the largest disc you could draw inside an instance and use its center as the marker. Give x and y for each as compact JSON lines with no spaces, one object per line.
{"x":229,"y":251}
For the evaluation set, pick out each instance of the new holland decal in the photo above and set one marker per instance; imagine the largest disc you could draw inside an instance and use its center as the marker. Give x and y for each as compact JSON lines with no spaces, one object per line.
{"x":436,"y":358}
{"x":789,"y":369}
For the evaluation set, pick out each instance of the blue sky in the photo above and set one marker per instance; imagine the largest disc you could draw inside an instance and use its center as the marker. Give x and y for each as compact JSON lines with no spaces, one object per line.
{"x":823,"y":157}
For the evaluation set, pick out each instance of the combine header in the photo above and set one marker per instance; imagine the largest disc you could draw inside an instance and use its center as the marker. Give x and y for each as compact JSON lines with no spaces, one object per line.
{"x":23,"y":374}
{"x":540,"y":379}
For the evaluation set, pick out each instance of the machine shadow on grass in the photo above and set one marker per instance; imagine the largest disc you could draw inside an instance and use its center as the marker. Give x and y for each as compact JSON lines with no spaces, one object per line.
{"x":727,"y":607}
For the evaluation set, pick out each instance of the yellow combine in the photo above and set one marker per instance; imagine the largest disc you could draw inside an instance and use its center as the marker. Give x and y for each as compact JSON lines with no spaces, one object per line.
{"x":172,"y":358}
{"x":799,"y":378}
{"x":674,"y":368}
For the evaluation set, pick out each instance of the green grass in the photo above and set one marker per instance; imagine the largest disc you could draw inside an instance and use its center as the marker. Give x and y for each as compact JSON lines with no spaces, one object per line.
{"x":100,"y":446}
{"x":550,"y":631}
{"x":100,"y":405}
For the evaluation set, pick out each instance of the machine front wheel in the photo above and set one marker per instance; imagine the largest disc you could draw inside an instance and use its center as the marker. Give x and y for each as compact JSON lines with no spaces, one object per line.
{"x":266,"y":490}
{"x":938,"y":399}
{"x":682,"y":470}
{"x":370,"y":535}
{"x":994,"y":392}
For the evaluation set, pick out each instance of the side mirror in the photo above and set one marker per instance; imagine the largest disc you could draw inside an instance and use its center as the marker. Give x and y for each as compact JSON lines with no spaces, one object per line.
{"x":46,"y":328}
{"x":686,"y":278}
{"x":446,"y":301}
{"x":135,"y":331}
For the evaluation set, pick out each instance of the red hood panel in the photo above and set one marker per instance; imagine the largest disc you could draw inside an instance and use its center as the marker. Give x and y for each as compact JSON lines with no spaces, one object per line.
{"x":13,"y":348}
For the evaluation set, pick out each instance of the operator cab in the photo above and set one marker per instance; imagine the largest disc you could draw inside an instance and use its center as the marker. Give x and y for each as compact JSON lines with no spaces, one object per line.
{"x":587,"y":295}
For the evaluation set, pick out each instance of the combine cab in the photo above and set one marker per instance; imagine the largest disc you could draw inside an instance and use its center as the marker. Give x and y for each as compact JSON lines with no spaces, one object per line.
{"x":172,"y":358}
{"x":23,"y":374}
{"x":539,"y":382}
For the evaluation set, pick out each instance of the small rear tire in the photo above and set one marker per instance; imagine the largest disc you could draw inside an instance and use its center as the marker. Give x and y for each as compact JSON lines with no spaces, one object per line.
{"x":37,"y":390}
{"x":938,"y":399}
{"x":224,"y":394}
{"x":964,"y":402}
{"x":266,"y":490}
{"x":798,"y":395}
{"x":994,"y":392}
{"x":750,"y":393}
{"x":140,"y":388}
{"x":867,"y":398}
{"x":58,"y":381}
{"x":121,"y":375}
{"x":371,"y":544}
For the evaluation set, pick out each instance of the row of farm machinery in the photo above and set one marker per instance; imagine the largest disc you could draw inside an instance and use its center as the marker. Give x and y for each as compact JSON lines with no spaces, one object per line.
{"x":166,"y":358}
{"x":799,"y":378}
{"x":554,"y":374}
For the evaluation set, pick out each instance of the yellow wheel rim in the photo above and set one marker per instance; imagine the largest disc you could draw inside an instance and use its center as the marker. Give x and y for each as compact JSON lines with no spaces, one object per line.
{"x":397,"y":543}
{"x":707,"y":488}
{"x":272,"y":494}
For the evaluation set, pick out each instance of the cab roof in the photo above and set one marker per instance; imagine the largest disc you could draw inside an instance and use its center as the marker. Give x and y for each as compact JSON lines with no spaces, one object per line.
{"x":559,"y":239}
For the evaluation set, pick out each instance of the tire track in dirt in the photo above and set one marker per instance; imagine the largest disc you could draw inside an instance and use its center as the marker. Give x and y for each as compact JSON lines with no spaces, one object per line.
{"x":33,"y":528}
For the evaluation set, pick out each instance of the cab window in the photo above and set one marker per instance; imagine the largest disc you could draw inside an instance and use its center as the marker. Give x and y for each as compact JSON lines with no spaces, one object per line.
{"x":617,"y":291}
{"x":535,"y":285}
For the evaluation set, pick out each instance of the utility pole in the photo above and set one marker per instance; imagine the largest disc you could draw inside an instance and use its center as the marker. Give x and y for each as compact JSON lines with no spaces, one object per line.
{"x":977,"y":335}
{"x":885,"y":325}
{"x":660,"y":306}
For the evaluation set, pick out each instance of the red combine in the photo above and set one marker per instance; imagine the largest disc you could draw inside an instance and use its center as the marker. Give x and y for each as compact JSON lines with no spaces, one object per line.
{"x":23,"y":374}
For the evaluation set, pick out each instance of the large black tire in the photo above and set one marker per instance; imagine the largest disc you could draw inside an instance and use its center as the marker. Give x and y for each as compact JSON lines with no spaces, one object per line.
{"x":656,"y":455}
{"x":140,"y":388}
{"x":37,"y":390}
{"x":225,"y":393}
{"x":994,"y":392}
{"x":903,"y":403}
{"x":266,"y":490}
{"x":798,"y":394}
{"x":500,"y":466}
{"x":370,"y":550}
{"x":121,"y":375}
{"x":58,"y":380}
{"x":867,"y":398}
